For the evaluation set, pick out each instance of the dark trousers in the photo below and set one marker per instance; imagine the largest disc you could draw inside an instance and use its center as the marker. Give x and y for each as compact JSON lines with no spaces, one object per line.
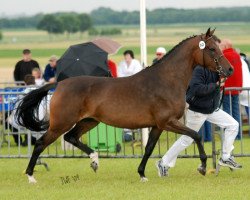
{"x":205,"y":131}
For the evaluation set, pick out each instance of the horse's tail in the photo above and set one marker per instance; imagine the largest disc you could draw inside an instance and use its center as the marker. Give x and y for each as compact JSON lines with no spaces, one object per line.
{"x":27,"y":111}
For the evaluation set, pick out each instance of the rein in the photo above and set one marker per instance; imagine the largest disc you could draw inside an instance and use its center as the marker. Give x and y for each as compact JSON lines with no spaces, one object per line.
{"x":223,"y":92}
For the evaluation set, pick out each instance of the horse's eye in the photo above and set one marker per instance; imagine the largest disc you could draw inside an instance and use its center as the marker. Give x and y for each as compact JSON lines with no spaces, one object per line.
{"x":212,"y":49}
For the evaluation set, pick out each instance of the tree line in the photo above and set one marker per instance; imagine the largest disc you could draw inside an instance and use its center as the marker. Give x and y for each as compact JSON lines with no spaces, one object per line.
{"x":69,"y":21}
{"x":65,"y":22}
{"x":171,"y":15}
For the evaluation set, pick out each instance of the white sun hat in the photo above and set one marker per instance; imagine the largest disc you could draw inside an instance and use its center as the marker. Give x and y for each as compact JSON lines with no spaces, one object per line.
{"x":161,"y":50}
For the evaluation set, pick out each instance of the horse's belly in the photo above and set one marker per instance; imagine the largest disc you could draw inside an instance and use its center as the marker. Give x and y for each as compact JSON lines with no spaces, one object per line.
{"x":127,"y":121}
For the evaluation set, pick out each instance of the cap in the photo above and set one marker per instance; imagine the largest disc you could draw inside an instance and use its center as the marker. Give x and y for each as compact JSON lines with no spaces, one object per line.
{"x":161,"y":50}
{"x":53,"y":58}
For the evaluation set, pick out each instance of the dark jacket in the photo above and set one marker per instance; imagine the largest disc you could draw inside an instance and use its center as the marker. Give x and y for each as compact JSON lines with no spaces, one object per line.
{"x":23,"y":68}
{"x":49,"y":72}
{"x":203,"y":94}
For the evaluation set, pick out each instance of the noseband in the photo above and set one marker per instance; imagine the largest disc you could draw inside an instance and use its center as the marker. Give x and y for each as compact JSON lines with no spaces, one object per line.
{"x":219,"y":68}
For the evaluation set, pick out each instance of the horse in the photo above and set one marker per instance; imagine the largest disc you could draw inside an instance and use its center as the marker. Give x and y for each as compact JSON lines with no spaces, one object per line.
{"x":154,"y":97}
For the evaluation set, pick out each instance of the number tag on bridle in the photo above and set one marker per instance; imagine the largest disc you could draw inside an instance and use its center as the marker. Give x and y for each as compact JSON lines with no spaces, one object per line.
{"x":202,"y":45}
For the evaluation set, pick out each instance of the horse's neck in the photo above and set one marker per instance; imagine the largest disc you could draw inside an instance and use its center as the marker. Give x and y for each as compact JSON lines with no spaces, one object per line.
{"x":180,"y":63}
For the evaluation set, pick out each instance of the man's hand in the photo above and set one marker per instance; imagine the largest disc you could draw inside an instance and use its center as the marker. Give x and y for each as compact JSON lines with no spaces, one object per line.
{"x":52,"y":80}
{"x":222,"y":82}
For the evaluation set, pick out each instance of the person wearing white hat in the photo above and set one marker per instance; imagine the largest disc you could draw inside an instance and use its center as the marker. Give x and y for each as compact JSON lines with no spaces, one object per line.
{"x":160,"y":52}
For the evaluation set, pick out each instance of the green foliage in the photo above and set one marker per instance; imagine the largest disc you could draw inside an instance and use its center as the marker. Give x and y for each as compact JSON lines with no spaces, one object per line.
{"x":169,"y":15}
{"x":1,"y":35}
{"x":105,"y":31}
{"x":85,"y":22}
{"x":103,"y":16}
{"x":93,"y":31}
{"x":51,"y":24}
{"x":111,"y":31}
{"x":21,"y":22}
{"x":71,"y":23}
{"x":61,"y":22}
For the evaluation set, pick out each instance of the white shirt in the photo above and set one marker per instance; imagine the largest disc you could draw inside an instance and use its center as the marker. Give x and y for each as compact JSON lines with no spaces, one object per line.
{"x":125,"y":70}
{"x":244,"y":96}
{"x":39,"y":82}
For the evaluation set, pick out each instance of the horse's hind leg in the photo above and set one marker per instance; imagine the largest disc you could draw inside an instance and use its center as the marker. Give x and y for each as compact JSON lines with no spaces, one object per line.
{"x":178,"y":127}
{"x":48,"y":138}
{"x":74,"y":135}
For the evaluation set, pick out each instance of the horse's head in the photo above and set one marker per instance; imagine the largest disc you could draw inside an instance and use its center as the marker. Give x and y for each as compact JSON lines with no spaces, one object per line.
{"x":209,"y":55}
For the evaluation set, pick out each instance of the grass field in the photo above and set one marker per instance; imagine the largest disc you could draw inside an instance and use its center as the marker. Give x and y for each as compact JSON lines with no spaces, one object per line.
{"x":118,"y":179}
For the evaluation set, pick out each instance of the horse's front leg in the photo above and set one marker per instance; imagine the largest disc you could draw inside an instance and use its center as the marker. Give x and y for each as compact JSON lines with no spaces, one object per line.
{"x":153,"y":138}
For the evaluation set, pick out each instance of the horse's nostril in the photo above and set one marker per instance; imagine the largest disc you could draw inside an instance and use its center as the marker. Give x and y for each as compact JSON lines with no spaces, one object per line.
{"x":230,"y":71}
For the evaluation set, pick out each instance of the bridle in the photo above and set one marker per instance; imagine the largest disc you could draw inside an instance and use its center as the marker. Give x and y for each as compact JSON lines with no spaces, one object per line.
{"x":219,"y":68}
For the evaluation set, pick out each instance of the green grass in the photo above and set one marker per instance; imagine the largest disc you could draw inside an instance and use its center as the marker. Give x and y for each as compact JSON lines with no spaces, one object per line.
{"x":118,"y":179}
{"x":14,"y":53}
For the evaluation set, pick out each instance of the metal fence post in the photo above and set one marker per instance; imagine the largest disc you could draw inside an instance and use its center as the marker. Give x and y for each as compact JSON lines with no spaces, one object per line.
{"x":214,"y":153}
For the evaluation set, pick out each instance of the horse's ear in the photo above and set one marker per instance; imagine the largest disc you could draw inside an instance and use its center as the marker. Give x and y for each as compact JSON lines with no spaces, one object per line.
{"x":208,"y":32}
{"x":212,"y":32}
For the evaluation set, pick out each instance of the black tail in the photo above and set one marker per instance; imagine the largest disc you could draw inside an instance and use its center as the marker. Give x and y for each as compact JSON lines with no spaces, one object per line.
{"x":28,"y":108}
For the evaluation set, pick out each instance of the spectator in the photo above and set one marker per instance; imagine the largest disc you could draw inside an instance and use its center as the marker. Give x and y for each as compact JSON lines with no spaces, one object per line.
{"x":203,"y":97}
{"x":205,"y":131}
{"x":39,"y":81}
{"x":50,"y":70}
{"x":160,"y":52}
{"x":24,"y":66}
{"x":245,"y":95}
{"x":29,"y":80}
{"x":112,"y":68}
{"x":233,"y":81}
{"x":244,"y":57}
{"x":129,"y":66}
{"x":12,"y":129}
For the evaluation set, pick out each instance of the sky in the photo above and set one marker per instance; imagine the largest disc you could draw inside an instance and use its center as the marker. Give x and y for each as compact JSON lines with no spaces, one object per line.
{"x":31,"y":7}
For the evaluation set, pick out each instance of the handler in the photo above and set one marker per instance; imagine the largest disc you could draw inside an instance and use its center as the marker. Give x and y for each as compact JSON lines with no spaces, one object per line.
{"x":203,"y":97}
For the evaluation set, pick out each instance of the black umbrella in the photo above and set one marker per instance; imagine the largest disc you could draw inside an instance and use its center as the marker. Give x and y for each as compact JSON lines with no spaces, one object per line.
{"x":86,"y":59}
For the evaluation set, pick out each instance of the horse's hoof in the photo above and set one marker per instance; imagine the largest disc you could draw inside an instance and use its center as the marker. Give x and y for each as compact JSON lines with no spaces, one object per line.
{"x":202,"y":170}
{"x":144,"y":179}
{"x":31,"y":179}
{"x":94,"y":166}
